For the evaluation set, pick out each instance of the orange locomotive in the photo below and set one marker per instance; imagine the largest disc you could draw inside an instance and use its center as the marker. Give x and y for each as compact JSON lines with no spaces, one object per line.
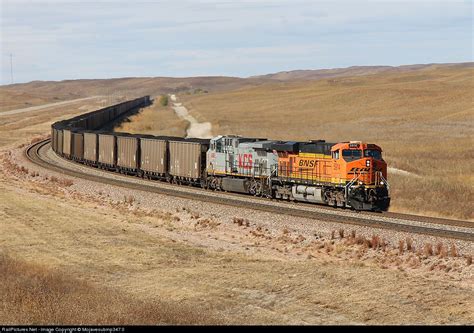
{"x":348,"y":174}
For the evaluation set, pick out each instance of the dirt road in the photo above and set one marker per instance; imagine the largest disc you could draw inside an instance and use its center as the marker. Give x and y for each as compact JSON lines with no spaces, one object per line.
{"x":46,"y":106}
{"x":195,"y":129}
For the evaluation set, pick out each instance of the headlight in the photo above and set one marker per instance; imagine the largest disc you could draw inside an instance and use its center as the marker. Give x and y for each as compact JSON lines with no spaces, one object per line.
{"x":381,"y":183}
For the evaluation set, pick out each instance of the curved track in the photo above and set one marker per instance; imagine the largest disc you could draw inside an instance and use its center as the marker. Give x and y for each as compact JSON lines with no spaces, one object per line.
{"x":34,"y":152}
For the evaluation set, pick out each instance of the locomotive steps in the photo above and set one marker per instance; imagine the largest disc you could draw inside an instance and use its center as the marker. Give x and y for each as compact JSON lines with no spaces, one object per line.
{"x":195,"y":128}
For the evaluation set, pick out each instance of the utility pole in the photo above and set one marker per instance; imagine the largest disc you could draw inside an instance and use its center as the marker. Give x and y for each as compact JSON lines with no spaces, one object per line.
{"x":11,"y":66}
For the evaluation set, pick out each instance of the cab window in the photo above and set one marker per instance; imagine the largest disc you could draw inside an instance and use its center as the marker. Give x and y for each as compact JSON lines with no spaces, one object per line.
{"x":377,"y":154}
{"x":219,"y":146}
{"x":335,"y":154}
{"x":351,"y":154}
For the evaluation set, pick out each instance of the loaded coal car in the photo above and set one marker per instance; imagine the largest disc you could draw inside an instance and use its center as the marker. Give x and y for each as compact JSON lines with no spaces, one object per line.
{"x":54,"y":137}
{"x":107,"y":157}
{"x":154,"y":156}
{"x":94,"y":120}
{"x":187,"y":160}
{"x":67,"y":142}
{"x":128,"y":153}
{"x":77,"y":145}
{"x":98,"y":119}
{"x":91,"y":148}
{"x":79,"y":122}
{"x":59,"y":136}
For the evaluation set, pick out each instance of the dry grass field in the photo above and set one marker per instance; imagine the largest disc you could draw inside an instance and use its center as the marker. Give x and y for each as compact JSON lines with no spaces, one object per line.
{"x":75,"y":259}
{"x":11,"y":99}
{"x":423,"y":119}
{"x":35,"y":294}
{"x":154,"y":120}
{"x":42,"y":92}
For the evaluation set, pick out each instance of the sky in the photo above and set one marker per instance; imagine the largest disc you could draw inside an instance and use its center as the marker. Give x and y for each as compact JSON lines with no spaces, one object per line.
{"x":60,"y":39}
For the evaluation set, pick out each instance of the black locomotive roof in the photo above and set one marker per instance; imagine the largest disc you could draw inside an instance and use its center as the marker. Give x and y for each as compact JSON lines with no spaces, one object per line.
{"x":289,"y":146}
{"x":313,"y":146}
{"x":316,"y":147}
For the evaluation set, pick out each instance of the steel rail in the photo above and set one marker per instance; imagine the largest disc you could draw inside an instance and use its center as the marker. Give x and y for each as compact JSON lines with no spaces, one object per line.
{"x":33,"y":154}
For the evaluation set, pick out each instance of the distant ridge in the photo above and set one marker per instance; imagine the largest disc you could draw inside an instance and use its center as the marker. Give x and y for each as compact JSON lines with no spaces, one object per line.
{"x":317,"y":74}
{"x":42,"y":92}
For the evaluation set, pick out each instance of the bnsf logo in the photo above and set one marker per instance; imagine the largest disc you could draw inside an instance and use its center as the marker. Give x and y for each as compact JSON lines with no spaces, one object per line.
{"x":307,"y":163}
{"x":245,"y":161}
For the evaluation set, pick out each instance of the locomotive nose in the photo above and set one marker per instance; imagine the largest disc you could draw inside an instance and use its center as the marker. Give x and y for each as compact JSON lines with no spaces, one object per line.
{"x":370,"y":167}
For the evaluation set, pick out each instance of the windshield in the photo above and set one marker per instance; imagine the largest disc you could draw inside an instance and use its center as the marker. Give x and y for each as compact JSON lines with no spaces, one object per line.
{"x":351,"y":155}
{"x":377,"y":154}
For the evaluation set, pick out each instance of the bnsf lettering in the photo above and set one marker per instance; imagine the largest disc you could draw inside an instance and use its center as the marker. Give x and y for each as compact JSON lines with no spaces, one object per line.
{"x":307,"y":163}
{"x":245,"y":161}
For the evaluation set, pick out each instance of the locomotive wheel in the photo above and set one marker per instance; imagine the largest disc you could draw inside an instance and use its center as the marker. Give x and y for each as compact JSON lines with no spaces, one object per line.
{"x":213,"y":184}
{"x":255,"y":188}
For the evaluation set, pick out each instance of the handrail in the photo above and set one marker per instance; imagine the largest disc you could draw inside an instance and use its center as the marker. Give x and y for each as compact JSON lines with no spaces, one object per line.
{"x":384,"y":180}
{"x":348,"y":185}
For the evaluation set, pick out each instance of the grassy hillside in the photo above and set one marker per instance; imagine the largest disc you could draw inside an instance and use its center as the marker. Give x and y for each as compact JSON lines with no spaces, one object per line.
{"x":155,"y":120}
{"x":423,"y":119}
{"x":42,"y":92}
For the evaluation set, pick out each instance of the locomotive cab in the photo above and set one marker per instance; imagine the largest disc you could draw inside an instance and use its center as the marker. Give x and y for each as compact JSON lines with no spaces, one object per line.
{"x":362,"y":170}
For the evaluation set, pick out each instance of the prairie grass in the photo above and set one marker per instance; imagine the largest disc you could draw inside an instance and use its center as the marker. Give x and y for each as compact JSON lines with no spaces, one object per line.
{"x":453,"y":250}
{"x":428,"y":249}
{"x":401,"y":246}
{"x":32,"y":294}
{"x":154,"y":120}
{"x":341,"y":233}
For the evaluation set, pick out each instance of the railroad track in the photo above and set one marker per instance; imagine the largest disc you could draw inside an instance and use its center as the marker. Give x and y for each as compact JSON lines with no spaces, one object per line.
{"x":34,"y":152}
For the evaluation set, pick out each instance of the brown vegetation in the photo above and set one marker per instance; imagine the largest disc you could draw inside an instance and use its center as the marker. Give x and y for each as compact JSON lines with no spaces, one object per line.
{"x":453,"y":250}
{"x":154,"y":120}
{"x":122,"y":247}
{"x":401,"y":246}
{"x":341,"y":233}
{"x":375,"y":242}
{"x":242,"y":222}
{"x":428,"y":249}
{"x":32,"y":294}
{"x":62,"y":181}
